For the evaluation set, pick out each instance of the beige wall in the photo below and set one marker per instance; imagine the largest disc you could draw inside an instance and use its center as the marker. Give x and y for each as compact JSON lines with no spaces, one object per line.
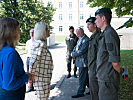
{"x":65,"y":11}
{"x":127,"y":33}
{"x":126,"y":39}
{"x":51,"y":40}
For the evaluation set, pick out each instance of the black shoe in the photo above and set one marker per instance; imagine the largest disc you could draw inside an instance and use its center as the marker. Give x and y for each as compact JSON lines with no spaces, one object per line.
{"x":77,"y":95}
{"x":88,"y":93}
{"x":69,"y":75}
{"x":75,"y":75}
{"x":35,"y":93}
{"x":30,"y":89}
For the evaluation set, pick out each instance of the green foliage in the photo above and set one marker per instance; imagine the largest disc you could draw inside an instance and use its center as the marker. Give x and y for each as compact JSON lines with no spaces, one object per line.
{"x":126,"y":86}
{"x":122,"y":7}
{"x":126,"y":24}
{"x":28,"y":12}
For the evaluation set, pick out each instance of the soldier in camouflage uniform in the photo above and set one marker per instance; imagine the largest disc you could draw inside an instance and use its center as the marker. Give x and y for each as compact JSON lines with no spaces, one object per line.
{"x":92,"y":56}
{"x":71,"y":42}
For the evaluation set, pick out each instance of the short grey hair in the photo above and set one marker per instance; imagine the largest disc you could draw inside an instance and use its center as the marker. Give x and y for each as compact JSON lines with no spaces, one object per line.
{"x":81,"y":30}
{"x":40,"y":31}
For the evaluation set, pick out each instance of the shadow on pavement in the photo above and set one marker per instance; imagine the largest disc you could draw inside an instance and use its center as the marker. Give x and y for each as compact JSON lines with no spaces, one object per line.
{"x":68,"y":88}
{"x":57,"y":46}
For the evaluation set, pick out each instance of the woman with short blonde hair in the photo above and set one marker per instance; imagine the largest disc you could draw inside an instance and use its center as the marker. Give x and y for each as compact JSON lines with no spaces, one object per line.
{"x":41,"y":63}
{"x":40,"y":30}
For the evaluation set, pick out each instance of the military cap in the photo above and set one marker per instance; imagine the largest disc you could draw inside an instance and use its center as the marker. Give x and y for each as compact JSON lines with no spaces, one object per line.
{"x":91,"y":19}
{"x":102,"y":10}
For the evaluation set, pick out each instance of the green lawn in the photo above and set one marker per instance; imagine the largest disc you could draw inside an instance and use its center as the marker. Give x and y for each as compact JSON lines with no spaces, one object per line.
{"x":59,"y":38}
{"x":126,"y":86}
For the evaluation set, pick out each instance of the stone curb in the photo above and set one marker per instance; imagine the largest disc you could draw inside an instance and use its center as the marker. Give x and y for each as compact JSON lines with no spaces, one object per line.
{"x":55,"y":91}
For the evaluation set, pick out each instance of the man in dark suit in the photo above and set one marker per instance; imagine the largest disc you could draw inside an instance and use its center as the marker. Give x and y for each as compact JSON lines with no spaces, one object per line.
{"x":80,"y":55}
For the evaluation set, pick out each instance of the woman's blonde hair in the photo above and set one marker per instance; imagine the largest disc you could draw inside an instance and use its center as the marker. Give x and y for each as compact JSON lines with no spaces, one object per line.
{"x":40,"y":31}
{"x":8,"y":33}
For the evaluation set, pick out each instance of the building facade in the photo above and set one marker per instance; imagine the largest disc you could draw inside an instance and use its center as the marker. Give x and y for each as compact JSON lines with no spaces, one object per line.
{"x":75,"y":12}
{"x":70,"y":13}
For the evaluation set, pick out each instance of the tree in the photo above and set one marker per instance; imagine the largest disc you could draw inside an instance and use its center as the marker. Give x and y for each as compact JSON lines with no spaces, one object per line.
{"x":122,"y":7}
{"x":28,"y":12}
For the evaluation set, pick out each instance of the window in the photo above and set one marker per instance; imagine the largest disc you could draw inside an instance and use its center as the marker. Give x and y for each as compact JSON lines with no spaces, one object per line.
{"x":70,"y":4}
{"x":60,"y":16}
{"x":70,"y":17}
{"x":51,"y":30}
{"x":81,"y":16}
{"x":60,"y":28}
{"x":81,"y":4}
{"x":60,"y":4}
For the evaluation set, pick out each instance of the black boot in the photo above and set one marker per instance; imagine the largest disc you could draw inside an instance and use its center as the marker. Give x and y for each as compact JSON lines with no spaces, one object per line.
{"x":75,"y":75}
{"x":69,"y":75}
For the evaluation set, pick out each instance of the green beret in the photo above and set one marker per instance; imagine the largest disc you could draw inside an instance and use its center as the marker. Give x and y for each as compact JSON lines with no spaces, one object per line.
{"x":91,"y":19}
{"x":102,"y":10}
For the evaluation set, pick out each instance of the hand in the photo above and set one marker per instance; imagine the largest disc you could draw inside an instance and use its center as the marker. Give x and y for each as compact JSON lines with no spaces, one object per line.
{"x":31,"y":77}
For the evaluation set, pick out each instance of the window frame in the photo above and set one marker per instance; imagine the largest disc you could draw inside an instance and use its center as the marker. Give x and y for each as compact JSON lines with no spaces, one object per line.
{"x":70,"y":5}
{"x":60,"y":5}
{"x":60,"y":28}
{"x":70,"y":17}
{"x":60,"y":17}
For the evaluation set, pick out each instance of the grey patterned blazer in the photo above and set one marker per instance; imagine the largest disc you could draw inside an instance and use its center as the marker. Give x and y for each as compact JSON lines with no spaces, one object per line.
{"x":41,"y":63}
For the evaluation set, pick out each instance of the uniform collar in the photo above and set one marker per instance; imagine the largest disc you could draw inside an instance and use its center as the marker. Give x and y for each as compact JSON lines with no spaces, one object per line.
{"x":94,"y":34}
{"x":108,"y":26}
{"x":73,"y":35}
{"x":102,"y":33}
